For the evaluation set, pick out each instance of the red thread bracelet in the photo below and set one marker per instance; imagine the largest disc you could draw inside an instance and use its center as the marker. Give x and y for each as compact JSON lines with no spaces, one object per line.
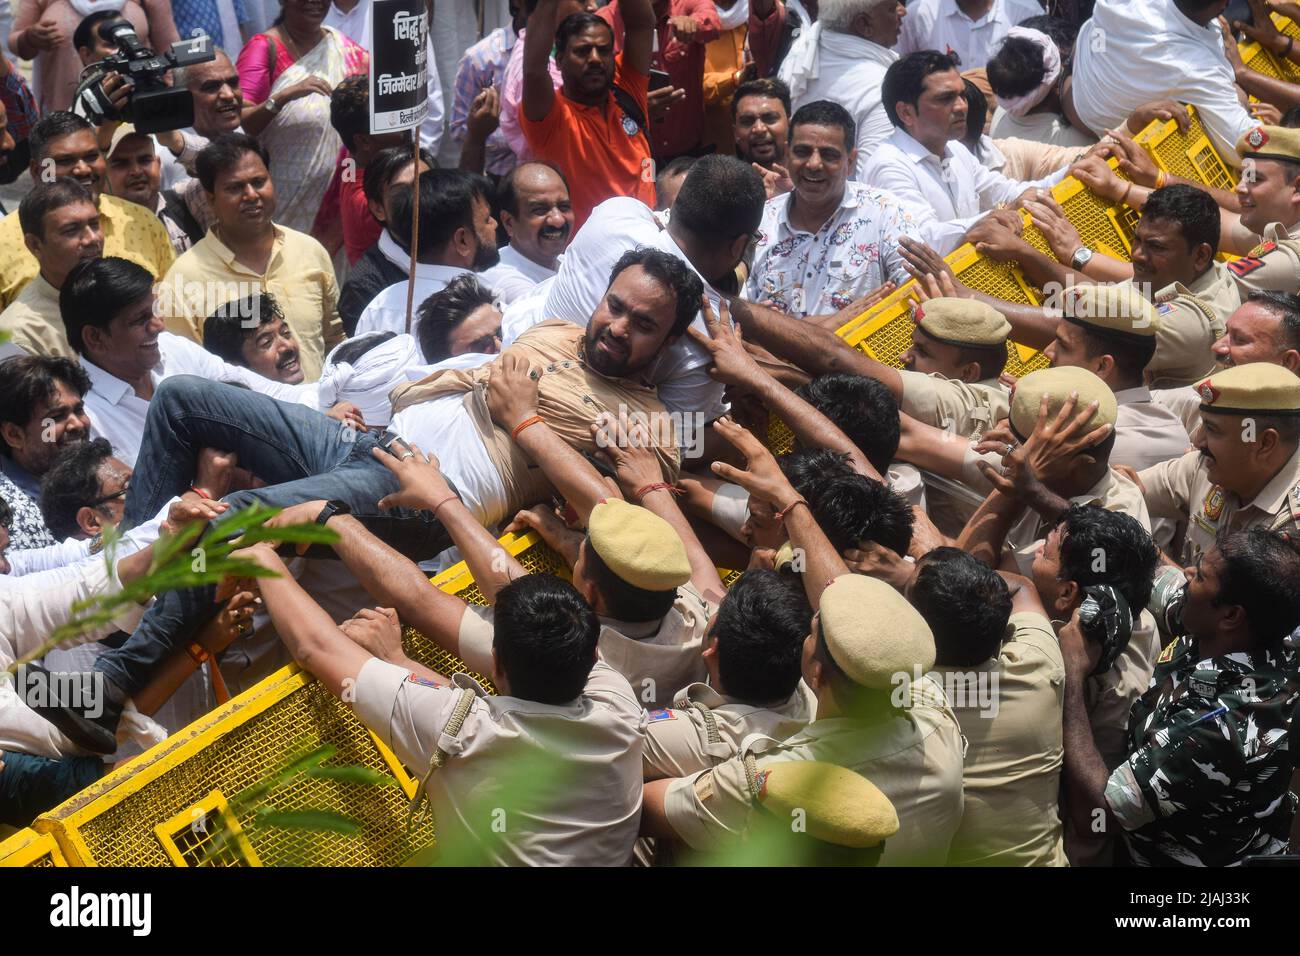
{"x":667,"y":486}
{"x":524,"y":424}
{"x":780,"y":515}
{"x":434,"y":509}
{"x":202,"y":492}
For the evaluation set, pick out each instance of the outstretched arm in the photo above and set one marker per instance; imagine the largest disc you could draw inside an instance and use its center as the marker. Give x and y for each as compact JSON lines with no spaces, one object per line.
{"x":512,"y":400}
{"x":733,"y":365}
{"x":539,"y":93}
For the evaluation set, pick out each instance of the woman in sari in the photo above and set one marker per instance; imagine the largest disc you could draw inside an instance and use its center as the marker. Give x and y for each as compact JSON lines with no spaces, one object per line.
{"x":287,"y":75}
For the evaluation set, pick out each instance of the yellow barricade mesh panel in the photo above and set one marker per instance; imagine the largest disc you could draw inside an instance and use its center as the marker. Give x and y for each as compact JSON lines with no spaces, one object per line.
{"x":29,"y":849}
{"x":1190,"y":155}
{"x":249,"y":753}
{"x":1261,"y":61}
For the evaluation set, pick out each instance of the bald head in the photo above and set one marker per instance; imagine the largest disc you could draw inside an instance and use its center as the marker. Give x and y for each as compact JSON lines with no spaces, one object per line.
{"x":536,"y":212}
{"x":217,"y":99}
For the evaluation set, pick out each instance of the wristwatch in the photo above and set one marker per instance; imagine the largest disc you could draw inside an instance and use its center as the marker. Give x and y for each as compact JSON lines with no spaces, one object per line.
{"x":1082,"y":256}
{"x":271,"y":105}
{"x":332,"y":508}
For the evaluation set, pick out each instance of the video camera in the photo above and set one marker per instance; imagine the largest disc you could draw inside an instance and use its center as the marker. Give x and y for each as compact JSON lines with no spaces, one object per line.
{"x":153,"y":107}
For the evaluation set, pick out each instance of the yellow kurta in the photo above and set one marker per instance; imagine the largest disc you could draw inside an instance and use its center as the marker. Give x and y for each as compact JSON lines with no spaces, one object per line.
{"x":300,"y":275}
{"x":130,"y":231}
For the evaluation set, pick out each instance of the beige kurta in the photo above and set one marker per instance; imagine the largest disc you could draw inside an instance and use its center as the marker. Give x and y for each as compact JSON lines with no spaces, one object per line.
{"x":34,"y":323}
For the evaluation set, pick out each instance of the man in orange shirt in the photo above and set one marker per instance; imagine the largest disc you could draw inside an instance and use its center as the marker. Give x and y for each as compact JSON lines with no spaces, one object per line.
{"x":593,"y":127}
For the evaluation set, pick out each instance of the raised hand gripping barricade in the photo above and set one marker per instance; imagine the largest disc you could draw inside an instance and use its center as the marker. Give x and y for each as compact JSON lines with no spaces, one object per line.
{"x":168,"y":806}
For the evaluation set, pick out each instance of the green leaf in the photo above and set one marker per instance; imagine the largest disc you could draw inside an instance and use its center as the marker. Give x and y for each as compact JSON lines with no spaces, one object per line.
{"x":325,"y":820}
{"x":354,"y":774}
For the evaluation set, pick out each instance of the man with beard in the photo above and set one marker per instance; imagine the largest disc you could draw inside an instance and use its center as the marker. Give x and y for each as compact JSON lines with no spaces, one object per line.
{"x":594,"y":128}
{"x":457,"y":235}
{"x":135,"y":174}
{"x":43,"y":412}
{"x":246,"y":252}
{"x":61,"y":227}
{"x":760,"y":116}
{"x":63,"y":144}
{"x":533,"y":203}
{"x":651,"y":299}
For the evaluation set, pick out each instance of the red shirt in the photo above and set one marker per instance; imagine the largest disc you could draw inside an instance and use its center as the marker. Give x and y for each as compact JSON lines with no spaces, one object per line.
{"x":682,"y":128}
{"x":601,"y":152}
{"x":360,"y":229}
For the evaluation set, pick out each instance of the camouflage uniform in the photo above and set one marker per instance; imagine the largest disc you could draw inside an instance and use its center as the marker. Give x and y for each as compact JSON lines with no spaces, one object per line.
{"x":1206,"y":780}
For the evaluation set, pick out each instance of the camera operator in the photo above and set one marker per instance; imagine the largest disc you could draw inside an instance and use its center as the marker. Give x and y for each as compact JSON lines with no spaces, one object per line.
{"x":42,"y":33}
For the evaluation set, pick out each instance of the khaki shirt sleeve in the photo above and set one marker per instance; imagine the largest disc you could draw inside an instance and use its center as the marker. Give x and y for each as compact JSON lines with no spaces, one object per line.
{"x":1183,"y":343}
{"x":476,"y":631}
{"x":407,"y":712}
{"x":709,"y":809}
{"x":674,"y":744}
{"x":1167,"y":487}
{"x":1273,"y":267}
{"x":971,"y":409}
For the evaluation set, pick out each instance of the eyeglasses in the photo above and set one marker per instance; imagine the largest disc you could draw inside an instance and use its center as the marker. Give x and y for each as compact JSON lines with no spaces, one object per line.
{"x":107,"y":498}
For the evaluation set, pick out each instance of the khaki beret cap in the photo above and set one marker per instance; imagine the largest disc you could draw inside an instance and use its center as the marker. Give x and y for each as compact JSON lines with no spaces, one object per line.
{"x":872,"y":633}
{"x":1058,"y":383}
{"x":1270,"y":142}
{"x":1257,"y":387}
{"x":962,"y":322}
{"x":639,"y":546}
{"x":841,"y":807}
{"x":1117,"y":309}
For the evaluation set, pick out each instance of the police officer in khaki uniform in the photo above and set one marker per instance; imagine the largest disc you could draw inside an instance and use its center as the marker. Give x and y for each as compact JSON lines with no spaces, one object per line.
{"x":1192,"y":318}
{"x":752,"y":655}
{"x":633,"y":568}
{"x":1091,"y":481}
{"x":1111,"y":330}
{"x":1245,"y":471}
{"x":877,"y":715}
{"x":950,"y":377}
{"x":1270,"y":207}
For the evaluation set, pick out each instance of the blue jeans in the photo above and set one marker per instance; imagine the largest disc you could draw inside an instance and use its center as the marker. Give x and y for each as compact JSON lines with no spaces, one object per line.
{"x":30,"y":785}
{"x":300,"y":453}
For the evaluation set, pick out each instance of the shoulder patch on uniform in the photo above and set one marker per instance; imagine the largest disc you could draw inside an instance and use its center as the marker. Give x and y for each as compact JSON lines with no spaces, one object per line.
{"x":1167,"y":654}
{"x":422,"y":681}
{"x":1245,"y":265}
{"x":662,"y":714}
{"x":1263,"y":249}
{"x":1164,"y":308}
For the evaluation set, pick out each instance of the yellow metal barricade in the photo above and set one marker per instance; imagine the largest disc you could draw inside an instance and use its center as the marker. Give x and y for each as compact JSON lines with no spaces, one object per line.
{"x":168,"y":806}
{"x":29,"y":848}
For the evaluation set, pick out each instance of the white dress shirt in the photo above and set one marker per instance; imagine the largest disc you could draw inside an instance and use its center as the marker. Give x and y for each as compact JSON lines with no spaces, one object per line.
{"x":515,"y":276}
{"x":848,"y":71}
{"x":941,"y":25}
{"x":854,"y":251}
{"x":1134,"y":51}
{"x":387,"y":311}
{"x":28,"y":615}
{"x":614,"y":227}
{"x":117,"y":413}
{"x":947,"y":195}
{"x":59,"y":562}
